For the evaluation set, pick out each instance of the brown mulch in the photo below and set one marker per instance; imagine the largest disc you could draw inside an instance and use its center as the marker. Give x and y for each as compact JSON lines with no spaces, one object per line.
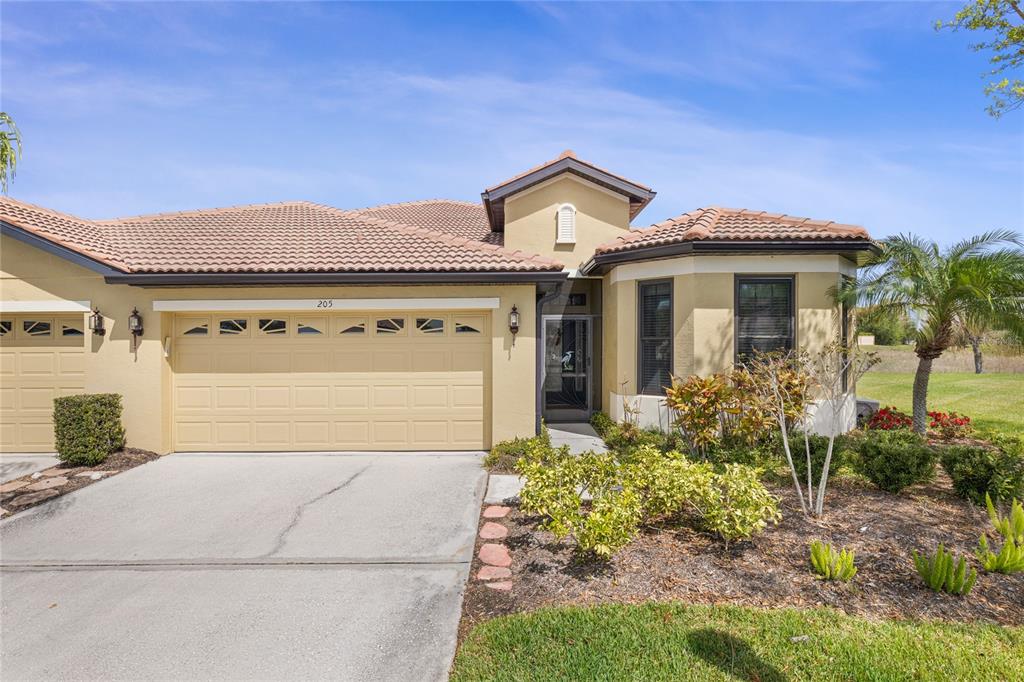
{"x":116,"y":462}
{"x":773,"y":569}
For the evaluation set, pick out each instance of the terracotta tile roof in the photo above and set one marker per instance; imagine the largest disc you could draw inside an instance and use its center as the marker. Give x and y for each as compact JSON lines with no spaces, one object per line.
{"x":77,"y":234}
{"x":567,"y":154}
{"x":461,"y":218}
{"x":283,"y":237}
{"x":730,"y":224}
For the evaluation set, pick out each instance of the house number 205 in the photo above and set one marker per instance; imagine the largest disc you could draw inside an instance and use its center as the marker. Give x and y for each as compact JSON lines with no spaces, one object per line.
{"x":327,"y":303}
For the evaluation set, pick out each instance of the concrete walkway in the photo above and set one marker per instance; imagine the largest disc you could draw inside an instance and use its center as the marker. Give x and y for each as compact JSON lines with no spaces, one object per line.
{"x":291,"y":566}
{"x":14,"y":465}
{"x":579,"y":437}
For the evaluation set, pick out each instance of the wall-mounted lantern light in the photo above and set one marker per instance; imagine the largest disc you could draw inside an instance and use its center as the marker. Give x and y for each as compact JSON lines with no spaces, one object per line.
{"x":513,"y":320}
{"x":135,"y":323}
{"x":96,"y":322}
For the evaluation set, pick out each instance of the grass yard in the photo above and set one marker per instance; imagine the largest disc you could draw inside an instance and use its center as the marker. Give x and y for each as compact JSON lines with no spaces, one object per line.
{"x":673,"y":642}
{"x":994,"y":402}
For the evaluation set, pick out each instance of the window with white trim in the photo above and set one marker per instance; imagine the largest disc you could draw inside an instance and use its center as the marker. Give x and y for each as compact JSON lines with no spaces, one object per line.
{"x":566,"y":228}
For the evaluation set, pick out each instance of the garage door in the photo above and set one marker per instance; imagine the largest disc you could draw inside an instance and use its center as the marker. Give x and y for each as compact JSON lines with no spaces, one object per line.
{"x":390,"y":381}
{"x":41,"y":357}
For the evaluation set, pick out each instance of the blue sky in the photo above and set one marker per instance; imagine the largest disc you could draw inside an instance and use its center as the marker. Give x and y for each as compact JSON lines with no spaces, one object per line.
{"x":858,"y":113}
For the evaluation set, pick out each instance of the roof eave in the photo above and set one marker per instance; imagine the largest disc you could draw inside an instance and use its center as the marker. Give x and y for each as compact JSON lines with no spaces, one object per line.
{"x":157,"y":279}
{"x":601,"y":263}
{"x":67,"y":253}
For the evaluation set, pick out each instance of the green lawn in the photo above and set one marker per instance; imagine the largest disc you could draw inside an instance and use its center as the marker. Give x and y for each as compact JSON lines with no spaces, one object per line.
{"x":995,"y":402}
{"x":677,"y":642}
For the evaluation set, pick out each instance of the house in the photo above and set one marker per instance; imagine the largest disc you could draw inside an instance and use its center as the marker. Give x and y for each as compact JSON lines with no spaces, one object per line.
{"x":429,"y":325}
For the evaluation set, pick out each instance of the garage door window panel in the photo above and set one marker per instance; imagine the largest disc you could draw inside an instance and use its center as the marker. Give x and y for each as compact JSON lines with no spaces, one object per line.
{"x":70,"y":329}
{"x":469,"y":324}
{"x":234,"y":326}
{"x":273,"y":326}
{"x":311,"y":326}
{"x":431,"y":326}
{"x":193,"y":326}
{"x":37,"y":329}
{"x":390,"y":326}
{"x":350,"y":326}
{"x":6,"y":327}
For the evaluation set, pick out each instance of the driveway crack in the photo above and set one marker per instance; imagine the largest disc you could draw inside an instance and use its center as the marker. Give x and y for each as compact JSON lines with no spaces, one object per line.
{"x":301,"y":509}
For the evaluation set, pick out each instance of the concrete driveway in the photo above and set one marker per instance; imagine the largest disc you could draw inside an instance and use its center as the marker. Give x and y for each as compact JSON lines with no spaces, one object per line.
{"x":280,"y":566}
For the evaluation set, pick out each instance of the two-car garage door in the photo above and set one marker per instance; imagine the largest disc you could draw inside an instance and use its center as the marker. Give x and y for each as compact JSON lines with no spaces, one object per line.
{"x":415,"y":380}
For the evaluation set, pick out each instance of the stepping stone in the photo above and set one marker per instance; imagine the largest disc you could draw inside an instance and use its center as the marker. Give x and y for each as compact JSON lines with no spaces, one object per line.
{"x":504,"y":586}
{"x":496,"y":512}
{"x":495,"y":555}
{"x":32,"y":498}
{"x":54,"y":482}
{"x":11,"y":486}
{"x":58,"y":471}
{"x":493,"y":531}
{"x":493,"y":573}
{"x":95,"y":475}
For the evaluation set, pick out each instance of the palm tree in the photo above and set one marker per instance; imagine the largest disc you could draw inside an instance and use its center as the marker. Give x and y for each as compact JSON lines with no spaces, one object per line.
{"x":10,"y":149}
{"x":980,"y":278}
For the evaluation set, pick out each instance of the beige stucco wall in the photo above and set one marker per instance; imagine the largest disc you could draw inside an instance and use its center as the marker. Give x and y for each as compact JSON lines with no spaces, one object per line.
{"x":530,"y":216}
{"x":143,"y":376}
{"x":703,"y":303}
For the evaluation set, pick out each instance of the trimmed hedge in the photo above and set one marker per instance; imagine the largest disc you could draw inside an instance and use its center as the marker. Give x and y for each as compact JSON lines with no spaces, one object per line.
{"x":894,"y":460}
{"x":87,"y":428}
{"x":977,"y":471}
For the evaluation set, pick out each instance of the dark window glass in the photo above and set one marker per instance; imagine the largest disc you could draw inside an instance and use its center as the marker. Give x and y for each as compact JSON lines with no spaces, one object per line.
{"x":655,"y":338}
{"x":430,"y":325}
{"x":5,"y":327}
{"x":764,"y":316}
{"x":577,"y":300}
{"x":233,"y":327}
{"x":269,"y":325}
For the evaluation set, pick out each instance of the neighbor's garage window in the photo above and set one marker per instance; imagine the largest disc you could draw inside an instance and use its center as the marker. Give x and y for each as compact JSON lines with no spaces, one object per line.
{"x":765,"y":318}
{"x":655,"y":336}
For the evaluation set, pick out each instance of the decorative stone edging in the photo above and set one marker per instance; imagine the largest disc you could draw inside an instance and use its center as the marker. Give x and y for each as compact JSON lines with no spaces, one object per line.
{"x":495,"y":556}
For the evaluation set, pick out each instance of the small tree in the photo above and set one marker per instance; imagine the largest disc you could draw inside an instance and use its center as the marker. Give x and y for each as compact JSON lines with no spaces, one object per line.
{"x":783,"y":384}
{"x":10,"y":149}
{"x":1003,"y":21}
{"x":834,"y":372}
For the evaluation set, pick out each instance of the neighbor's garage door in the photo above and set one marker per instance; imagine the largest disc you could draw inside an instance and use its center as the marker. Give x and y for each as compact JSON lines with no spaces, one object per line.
{"x":41,"y":357}
{"x":389,"y":381}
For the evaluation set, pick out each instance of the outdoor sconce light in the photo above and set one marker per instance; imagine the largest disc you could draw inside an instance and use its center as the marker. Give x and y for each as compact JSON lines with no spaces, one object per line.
{"x":513,"y":320}
{"x":135,"y":323}
{"x":96,"y":322}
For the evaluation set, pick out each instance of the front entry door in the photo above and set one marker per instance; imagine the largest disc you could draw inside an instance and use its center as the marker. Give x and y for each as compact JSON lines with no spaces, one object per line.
{"x":567,"y":368}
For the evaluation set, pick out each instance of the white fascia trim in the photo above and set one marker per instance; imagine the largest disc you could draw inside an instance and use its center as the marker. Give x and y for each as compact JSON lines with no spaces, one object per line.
{"x":45,"y":306}
{"x":574,"y":178}
{"x":763,"y":264}
{"x":325,"y":304}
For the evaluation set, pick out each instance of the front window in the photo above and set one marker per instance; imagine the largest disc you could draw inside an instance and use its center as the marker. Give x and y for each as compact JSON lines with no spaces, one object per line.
{"x":764,"y":316}
{"x":655,"y":336}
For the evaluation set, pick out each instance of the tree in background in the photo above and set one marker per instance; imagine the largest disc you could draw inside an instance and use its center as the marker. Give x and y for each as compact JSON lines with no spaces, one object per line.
{"x":1004,"y":21}
{"x":975,"y":329}
{"x":889,"y":327}
{"x":977,"y":278}
{"x":10,"y":149}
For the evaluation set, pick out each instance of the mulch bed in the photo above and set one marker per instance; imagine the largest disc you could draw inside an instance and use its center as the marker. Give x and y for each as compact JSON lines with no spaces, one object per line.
{"x":129,"y":458}
{"x":773,"y":569}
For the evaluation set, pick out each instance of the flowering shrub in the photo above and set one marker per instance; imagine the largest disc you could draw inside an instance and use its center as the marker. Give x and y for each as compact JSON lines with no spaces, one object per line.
{"x":890,"y":419}
{"x":950,"y":424}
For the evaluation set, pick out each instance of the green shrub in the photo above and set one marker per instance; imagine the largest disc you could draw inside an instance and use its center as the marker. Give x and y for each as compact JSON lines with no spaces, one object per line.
{"x":893,"y":460}
{"x":941,"y":574}
{"x":979,"y":471}
{"x":763,"y":456}
{"x":627,"y":492}
{"x":830,"y":564}
{"x":87,"y":428}
{"x":736,"y":505}
{"x":504,"y":455}
{"x":623,"y":438}
{"x":602,"y":423}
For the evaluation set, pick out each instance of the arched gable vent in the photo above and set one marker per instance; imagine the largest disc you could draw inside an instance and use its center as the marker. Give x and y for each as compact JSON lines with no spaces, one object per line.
{"x":566,"y":224}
